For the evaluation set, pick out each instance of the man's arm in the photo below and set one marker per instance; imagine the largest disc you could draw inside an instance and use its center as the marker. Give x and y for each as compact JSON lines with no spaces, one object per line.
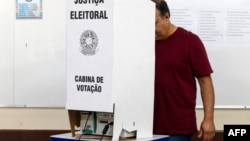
{"x":207,"y":128}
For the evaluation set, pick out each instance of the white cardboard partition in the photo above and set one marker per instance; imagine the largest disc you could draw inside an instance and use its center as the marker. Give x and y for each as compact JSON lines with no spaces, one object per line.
{"x":122,"y":55}
{"x":89,"y":55}
{"x":133,"y":75}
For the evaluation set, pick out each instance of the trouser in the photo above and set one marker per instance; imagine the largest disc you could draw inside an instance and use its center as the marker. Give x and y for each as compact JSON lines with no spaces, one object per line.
{"x":180,"y":138}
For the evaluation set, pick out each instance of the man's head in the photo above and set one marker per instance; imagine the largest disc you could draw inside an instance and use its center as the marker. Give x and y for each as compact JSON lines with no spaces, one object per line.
{"x":162,"y":6}
{"x":162,"y":20}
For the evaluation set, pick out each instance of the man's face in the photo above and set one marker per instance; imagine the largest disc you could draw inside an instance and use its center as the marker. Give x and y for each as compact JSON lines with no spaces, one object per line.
{"x":161,"y":25}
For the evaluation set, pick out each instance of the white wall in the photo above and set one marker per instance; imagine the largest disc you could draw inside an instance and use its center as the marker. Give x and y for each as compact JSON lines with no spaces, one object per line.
{"x":34,"y":118}
{"x":32,"y":59}
{"x":6,"y":52}
{"x":57,"y":119}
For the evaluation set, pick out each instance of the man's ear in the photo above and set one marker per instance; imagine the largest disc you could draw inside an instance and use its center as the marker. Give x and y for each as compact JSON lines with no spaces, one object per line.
{"x":167,"y":16}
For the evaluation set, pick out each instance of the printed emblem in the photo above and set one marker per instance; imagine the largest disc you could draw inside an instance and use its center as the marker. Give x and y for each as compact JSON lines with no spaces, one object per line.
{"x":89,"y":42}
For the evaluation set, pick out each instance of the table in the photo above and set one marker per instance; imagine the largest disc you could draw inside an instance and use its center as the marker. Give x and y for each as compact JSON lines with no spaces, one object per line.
{"x":68,"y":137}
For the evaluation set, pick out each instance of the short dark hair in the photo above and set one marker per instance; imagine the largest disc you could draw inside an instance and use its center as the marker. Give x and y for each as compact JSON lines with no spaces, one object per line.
{"x":162,"y":6}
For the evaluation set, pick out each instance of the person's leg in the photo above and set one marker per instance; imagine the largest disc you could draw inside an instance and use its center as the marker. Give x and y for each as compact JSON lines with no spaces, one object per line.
{"x":180,"y":138}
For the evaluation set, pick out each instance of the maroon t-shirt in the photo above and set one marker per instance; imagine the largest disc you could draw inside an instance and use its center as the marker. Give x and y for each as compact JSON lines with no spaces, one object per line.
{"x":179,"y":59}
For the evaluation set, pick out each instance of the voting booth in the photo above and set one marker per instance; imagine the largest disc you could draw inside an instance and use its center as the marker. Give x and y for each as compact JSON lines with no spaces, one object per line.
{"x":110,"y":64}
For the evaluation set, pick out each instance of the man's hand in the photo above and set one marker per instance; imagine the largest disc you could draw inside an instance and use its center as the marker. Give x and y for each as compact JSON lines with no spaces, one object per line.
{"x":207,"y":131}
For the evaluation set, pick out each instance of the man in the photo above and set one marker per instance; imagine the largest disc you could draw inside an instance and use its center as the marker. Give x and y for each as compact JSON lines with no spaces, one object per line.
{"x":180,"y":60}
